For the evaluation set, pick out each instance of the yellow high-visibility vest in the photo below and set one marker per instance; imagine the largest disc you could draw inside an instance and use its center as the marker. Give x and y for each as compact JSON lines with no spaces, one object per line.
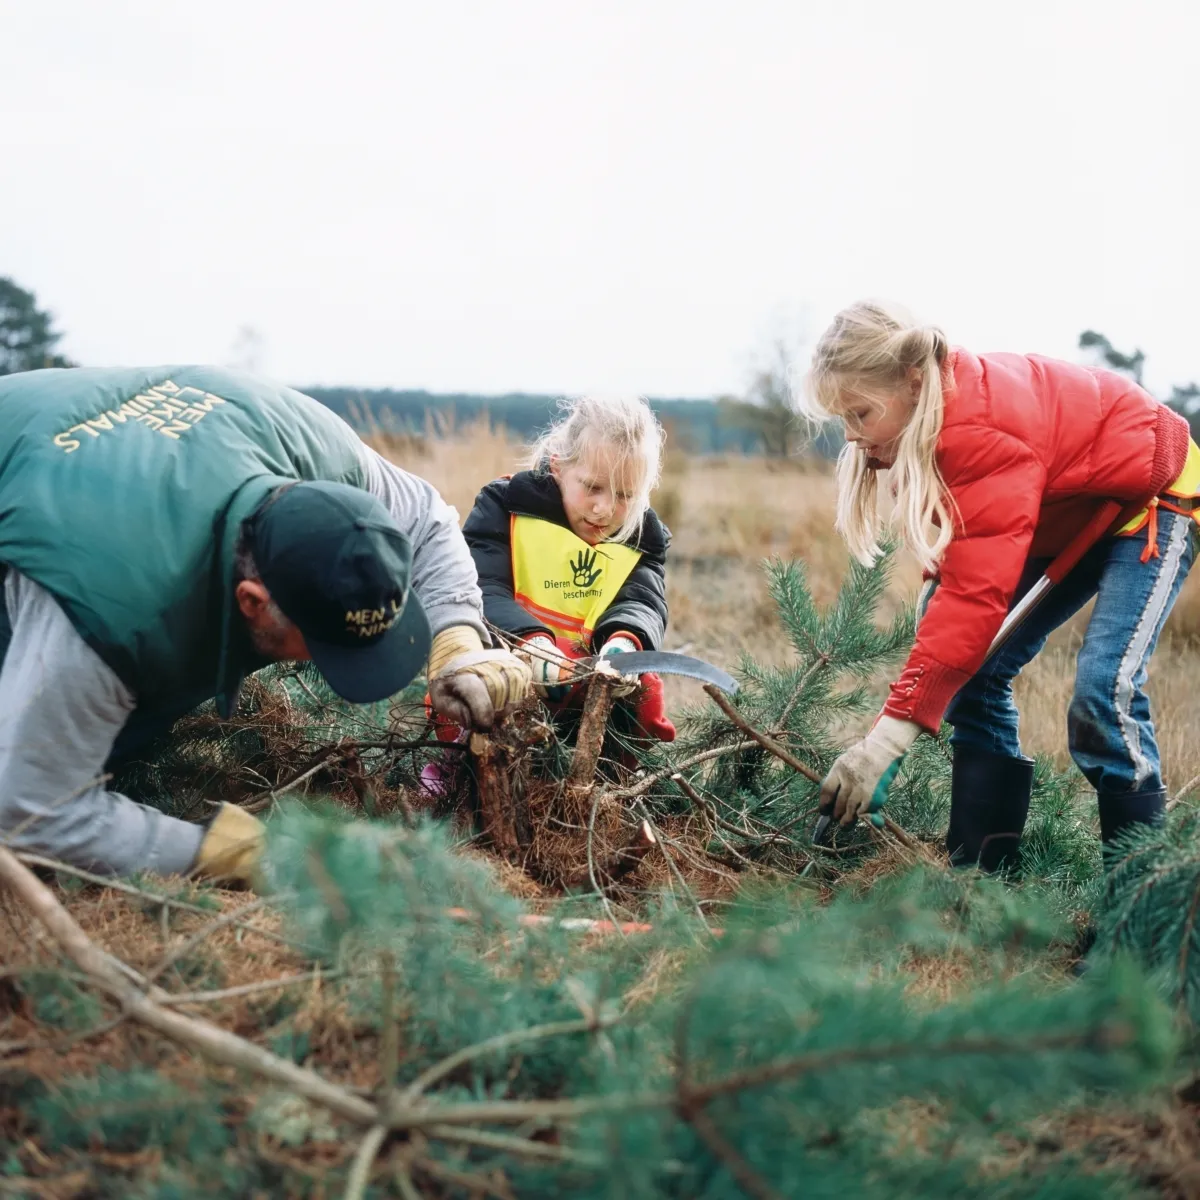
{"x":1185,"y":487}
{"x":562,"y":581}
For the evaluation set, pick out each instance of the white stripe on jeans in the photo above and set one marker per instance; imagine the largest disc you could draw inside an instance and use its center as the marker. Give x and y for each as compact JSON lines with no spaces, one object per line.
{"x":1152,"y":616}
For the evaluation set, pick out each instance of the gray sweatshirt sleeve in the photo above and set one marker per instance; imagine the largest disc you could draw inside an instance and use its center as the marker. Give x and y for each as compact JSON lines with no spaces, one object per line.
{"x":61,"y":708}
{"x":443,"y":571}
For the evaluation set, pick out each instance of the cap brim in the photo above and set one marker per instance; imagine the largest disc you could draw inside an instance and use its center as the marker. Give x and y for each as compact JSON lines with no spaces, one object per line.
{"x":366,"y":674}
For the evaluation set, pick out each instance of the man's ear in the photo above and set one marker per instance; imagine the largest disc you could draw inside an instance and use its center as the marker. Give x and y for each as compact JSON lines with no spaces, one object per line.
{"x":252,"y":598}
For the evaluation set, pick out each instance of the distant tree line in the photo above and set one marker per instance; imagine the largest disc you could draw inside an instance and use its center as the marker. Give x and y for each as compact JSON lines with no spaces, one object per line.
{"x":762,"y":420}
{"x":701,"y":426}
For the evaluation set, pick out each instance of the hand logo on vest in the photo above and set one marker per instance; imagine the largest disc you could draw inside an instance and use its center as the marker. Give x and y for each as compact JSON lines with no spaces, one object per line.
{"x":581,"y":567}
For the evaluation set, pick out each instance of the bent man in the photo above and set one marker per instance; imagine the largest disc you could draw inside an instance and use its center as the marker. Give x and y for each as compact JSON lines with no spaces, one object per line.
{"x":164,"y":533}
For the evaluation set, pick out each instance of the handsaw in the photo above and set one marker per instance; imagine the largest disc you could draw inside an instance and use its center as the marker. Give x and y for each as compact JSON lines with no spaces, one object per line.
{"x":663,"y":662}
{"x":1108,"y":518}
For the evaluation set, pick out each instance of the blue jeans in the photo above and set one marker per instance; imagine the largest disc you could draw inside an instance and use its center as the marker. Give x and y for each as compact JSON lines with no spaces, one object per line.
{"x":1109,"y":730}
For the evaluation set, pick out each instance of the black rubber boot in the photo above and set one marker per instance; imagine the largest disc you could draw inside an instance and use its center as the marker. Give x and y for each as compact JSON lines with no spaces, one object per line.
{"x":989,"y":801}
{"x":1121,"y":811}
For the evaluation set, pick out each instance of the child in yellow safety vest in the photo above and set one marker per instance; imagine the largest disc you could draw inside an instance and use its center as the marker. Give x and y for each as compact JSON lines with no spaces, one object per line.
{"x":571,"y":557}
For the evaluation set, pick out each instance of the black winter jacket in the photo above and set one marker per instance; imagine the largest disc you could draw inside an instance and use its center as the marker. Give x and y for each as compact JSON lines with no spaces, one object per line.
{"x":640,"y":607}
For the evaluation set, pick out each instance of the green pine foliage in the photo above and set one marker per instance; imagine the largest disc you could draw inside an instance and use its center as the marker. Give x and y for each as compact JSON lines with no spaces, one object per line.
{"x":787,"y":1055}
{"x":811,"y":996}
{"x":1149,"y":907}
{"x":125,"y":1111}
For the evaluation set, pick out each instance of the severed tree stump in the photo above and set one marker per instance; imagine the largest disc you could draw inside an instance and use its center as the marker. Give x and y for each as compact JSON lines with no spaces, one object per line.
{"x":592,"y":726}
{"x":503,"y":812}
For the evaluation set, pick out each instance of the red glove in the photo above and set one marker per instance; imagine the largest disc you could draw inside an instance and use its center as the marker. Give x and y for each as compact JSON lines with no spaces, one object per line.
{"x":650,"y":709}
{"x":444,"y":729}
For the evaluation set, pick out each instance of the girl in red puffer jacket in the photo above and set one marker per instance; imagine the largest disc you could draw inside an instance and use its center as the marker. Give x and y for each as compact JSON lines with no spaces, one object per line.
{"x":995,"y":462}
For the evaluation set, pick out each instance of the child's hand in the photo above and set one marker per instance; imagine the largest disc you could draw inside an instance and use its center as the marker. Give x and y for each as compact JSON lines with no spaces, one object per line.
{"x":550,"y":666}
{"x":858,"y":782}
{"x":621,"y":643}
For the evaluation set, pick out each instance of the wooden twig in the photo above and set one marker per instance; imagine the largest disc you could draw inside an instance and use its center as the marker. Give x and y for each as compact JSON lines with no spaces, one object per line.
{"x":120,"y":885}
{"x":534,"y":1033}
{"x":590,"y":851}
{"x":473,"y":1185}
{"x":1183,"y":791}
{"x":620,"y":864}
{"x":404,"y":1181}
{"x":751,"y":1182}
{"x":644,"y":784}
{"x":250,"y":989}
{"x":322,"y":758}
{"x":234,"y":917}
{"x":212,"y":1042}
{"x":784,"y":755}
{"x":672,"y":866}
{"x":364,"y":1160}
{"x":546,"y":1151}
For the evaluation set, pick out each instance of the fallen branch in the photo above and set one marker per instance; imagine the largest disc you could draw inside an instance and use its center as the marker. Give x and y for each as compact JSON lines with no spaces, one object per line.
{"x":364,"y":1160}
{"x":784,"y":755}
{"x":644,"y":784}
{"x":1183,"y":791}
{"x":158,"y":898}
{"x":212,"y":1042}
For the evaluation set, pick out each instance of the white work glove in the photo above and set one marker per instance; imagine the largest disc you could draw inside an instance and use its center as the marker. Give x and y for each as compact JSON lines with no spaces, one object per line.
{"x":549,"y":665}
{"x":858,"y":782}
{"x":472,"y":686}
{"x":621,"y":643}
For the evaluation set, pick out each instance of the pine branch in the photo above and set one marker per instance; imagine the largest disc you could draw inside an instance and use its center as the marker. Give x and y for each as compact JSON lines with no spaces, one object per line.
{"x":644,"y":784}
{"x":452,"y":1062}
{"x":157,"y":898}
{"x":724,"y":1150}
{"x":785,"y":755}
{"x":212,"y":1042}
{"x":364,"y":1160}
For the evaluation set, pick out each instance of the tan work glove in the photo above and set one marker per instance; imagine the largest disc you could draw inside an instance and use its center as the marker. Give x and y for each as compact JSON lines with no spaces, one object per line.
{"x":858,"y":782}
{"x":232,"y":847}
{"x":550,"y":667}
{"x":469,"y":685}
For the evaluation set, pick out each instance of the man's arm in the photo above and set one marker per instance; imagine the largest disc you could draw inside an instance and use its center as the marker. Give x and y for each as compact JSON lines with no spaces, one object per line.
{"x":61,"y":709}
{"x":443,"y":572}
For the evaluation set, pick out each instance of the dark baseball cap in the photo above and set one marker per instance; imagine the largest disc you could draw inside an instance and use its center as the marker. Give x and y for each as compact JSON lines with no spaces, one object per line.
{"x":340,"y":569}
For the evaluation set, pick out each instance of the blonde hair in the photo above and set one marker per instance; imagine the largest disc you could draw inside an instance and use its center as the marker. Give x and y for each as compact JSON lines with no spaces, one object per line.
{"x":626,"y":428}
{"x":869,"y":349}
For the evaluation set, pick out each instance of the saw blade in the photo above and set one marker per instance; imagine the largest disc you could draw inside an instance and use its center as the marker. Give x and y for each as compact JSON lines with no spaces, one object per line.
{"x":664,"y":662}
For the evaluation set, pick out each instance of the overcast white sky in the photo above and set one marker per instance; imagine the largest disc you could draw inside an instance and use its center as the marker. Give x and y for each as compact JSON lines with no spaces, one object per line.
{"x":561,"y":196}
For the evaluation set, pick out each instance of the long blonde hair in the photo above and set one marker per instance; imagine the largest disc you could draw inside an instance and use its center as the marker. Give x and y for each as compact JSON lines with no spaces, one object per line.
{"x":870,"y":348}
{"x":623,"y":425}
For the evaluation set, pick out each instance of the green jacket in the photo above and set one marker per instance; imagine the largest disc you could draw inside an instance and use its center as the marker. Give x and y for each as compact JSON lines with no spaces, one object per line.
{"x":122,"y":493}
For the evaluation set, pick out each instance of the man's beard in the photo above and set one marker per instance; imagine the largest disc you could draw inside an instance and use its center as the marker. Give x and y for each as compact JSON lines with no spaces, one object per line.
{"x":269,"y":640}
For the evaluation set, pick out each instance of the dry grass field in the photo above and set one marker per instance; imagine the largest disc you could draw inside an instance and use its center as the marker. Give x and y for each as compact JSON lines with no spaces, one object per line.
{"x":728,"y":514}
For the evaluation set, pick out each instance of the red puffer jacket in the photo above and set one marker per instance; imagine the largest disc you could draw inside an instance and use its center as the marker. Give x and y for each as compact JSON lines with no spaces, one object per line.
{"x":1029,"y":448}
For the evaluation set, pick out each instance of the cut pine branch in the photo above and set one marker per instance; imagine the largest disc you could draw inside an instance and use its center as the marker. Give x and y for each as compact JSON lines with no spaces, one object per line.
{"x":784,"y":755}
